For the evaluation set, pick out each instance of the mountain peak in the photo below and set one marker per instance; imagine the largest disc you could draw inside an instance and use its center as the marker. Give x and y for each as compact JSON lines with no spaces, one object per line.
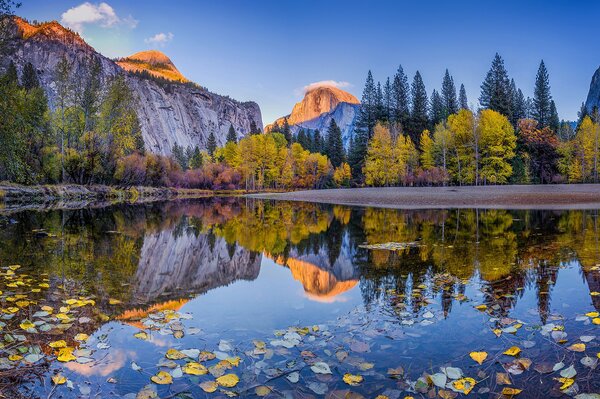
{"x":154,"y":62}
{"x":47,"y":30}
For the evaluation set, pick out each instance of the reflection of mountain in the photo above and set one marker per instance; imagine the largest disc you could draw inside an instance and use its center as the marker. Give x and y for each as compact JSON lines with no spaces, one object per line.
{"x":188,"y":263}
{"x":322,"y":280}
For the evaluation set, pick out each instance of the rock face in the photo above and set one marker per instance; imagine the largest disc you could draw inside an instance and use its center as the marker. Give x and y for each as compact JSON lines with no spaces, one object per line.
{"x":171,"y":113}
{"x":593,"y":98}
{"x":318,"y":107}
{"x":154,"y":62}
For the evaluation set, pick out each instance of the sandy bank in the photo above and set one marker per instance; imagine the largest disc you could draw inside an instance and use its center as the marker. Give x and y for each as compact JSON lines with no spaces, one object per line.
{"x":560,"y":196}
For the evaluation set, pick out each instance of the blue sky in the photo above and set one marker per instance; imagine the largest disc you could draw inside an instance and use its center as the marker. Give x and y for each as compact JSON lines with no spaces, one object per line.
{"x":267,"y":51}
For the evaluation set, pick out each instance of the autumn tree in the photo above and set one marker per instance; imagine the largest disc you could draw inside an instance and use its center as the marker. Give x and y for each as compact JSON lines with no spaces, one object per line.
{"x":498,"y":142}
{"x":541,"y":146}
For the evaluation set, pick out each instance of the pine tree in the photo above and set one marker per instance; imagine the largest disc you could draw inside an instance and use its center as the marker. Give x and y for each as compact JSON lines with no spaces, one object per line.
{"x":179,"y":156}
{"x":253,"y":128}
{"x":335,"y":146}
{"x":287,"y":132}
{"x":387,"y":100}
{"x":519,"y":110}
{"x":448,"y":96}
{"x":231,"y":135}
{"x":302,"y":139}
{"x":462,"y":98}
{"x":379,"y":106}
{"x":542,"y":99}
{"x":196,"y":159}
{"x":583,"y":112}
{"x":554,"y":122}
{"x":437,"y":109}
{"x":30,"y":78}
{"x":318,"y":142}
{"x":90,"y":100}
{"x":11,"y":75}
{"x":211,"y":144}
{"x":418,"y":115}
{"x":367,"y":116}
{"x":495,"y":89}
{"x":400,"y":99}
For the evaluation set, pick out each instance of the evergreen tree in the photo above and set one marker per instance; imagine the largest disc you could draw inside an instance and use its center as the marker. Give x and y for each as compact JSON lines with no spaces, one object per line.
{"x":448,"y":96}
{"x":387,"y":100}
{"x":462,"y":98}
{"x":542,"y":99}
{"x":400,"y":99}
{"x":519,"y":110}
{"x":318,"y":145}
{"x":437,"y":109}
{"x":495,"y":89}
{"x":30,"y":78}
{"x":583,"y":112}
{"x":418,"y":115}
{"x":335,"y":146}
{"x":287,"y":132}
{"x":90,"y":99}
{"x":231,"y":135}
{"x":253,"y":128}
{"x":211,"y":144}
{"x":554,"y":122}
{"x":11,"y":75}
{"x":196,"y":159}
{"x":365,"y":122}
{"x":302,"y":139}
{"x":379,"y":106}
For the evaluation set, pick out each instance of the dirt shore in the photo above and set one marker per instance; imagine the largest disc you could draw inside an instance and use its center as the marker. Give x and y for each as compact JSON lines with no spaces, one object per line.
{"x":559,"y":196}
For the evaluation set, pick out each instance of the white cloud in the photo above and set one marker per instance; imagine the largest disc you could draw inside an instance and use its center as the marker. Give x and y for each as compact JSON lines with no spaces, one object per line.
{"x":101,"y":14}
{"x":326,"y":83}
{"x":160,"y":38}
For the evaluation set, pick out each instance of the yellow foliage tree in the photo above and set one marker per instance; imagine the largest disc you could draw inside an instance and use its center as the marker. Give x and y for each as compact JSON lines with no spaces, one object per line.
{"x":497,"y":142}
{"x":342,"y":175}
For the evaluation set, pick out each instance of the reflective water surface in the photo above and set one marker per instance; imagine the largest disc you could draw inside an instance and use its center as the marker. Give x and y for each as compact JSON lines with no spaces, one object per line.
{"x":293,"y":300}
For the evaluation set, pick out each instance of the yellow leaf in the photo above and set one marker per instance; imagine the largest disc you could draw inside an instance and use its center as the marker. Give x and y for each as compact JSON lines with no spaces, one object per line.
{"x":44,"y":285}
{"x":592,"y":314}
{"x":81,"y":337}
{"x":465,"y":385}
{"x":65,"y":355}
{"x":502,"y":379}
{"x":352,"y":379}
{"x":194,"y":368}
{"x":596,"y":320}
{"x":57,"y":344}
{"x":497,"y":331}
{"x":481,"y":307}
{"x":262,"y":390}
{"x":141,"y":335}
{"x":511,"y":391}
{"x":234,"y":361}
{"x":566,"y":382}
{"x":577,"y":347}
{"x":174,"y":354}
{"x":162,"y":378}
{"x":228,"y":380}
{"x":479,"y":357}
{"x":594,"y":293}
{"x":26,"y":325}
{"x":513,"y":351}
{"x":58,"y":379}
{"x":15,"y":357}
{"x":209,"y":386}
{"x":113,"y":301}
{"x":48,"y":309}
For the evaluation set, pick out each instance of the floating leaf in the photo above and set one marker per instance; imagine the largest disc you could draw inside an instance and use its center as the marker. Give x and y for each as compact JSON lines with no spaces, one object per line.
{"x":58,"y":379}
{"x":511,"y":391}
{"x":228,"y":380}
{"x":502,"y":379}
{"x":195,"y":368}
{"x":352,"y":379}
{"x":174,"y":354}
{"x":464,"y":385}
{"x":577,"y":347}
{"x":569,"y":372}
{"x":481,"y":307}
{"x":479,"y":357}
{"x":209,"y":386}
{"x":65,"y":355}
{"x":58,"y":344}
{"x":262,"y":390}
{"x":320,"y":368}
{"x":513,"y":351}
{"x":566,"y":382}
{"x":162,"y":378}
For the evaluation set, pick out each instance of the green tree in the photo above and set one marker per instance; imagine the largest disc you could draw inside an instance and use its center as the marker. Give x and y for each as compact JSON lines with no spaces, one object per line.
{"x":542,"y":99}
{"x":335,"y":146}
{"x":437,"y":109}
{"x":211,"y":144}
{"x":178,"y":155}
{"x":30,"y":77}
{"x":418,"y":115}
{"x":462,"y":98}
{"x":400,"y":99}
{"x":231,"y":135}
{"x":495,"y":89}
{"x":448,"y":95}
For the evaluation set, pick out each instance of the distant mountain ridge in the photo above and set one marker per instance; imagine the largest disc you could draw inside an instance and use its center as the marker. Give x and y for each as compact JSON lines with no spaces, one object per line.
{"x":593,"y":97}
{"x":173,"y":113}
{"x":318,"y":107}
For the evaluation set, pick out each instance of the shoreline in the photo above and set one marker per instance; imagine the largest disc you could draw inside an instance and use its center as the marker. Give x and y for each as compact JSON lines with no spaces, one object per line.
{"x":552,"y":197}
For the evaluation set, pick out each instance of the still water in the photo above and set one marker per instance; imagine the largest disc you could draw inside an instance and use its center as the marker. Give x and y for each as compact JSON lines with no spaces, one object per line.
{"x":233,"y":297}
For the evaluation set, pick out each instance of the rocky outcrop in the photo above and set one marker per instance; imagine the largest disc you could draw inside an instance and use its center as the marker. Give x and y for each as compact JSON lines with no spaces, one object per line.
{"x":169,"y":113}
{"x":318,"y":107}
{"x":593,"y":97}
{"x":155,"y":63}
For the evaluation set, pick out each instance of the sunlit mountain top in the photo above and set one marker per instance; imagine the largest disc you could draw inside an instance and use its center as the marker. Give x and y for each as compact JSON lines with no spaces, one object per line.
{"x":154,"y":62}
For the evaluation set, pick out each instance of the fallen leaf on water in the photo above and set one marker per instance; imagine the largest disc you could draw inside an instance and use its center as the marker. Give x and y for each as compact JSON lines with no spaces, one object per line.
{"x":464,"y":385}
{"x":592,"y":314}
{"x":481,"y":307}
{"x":195,"y":368}
{"x":65,"y":355}
{"x":352,"y":379}
{"x":577,"y":347}
{"x":162,"y":378}
{"x":566,"y":382}
{"x":209,"y":386}
{"x":320,"y":368}
{"x":228,"y":380}
{"x":502,"y":379}
{"x":58,"y":379}
{"x":262,"y":390}
{"x":57,"y":344}
{"x":511,"y":391}
{"x":174,"y":354}
{"x":479,"y":357}
{"x":513,"y":351}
